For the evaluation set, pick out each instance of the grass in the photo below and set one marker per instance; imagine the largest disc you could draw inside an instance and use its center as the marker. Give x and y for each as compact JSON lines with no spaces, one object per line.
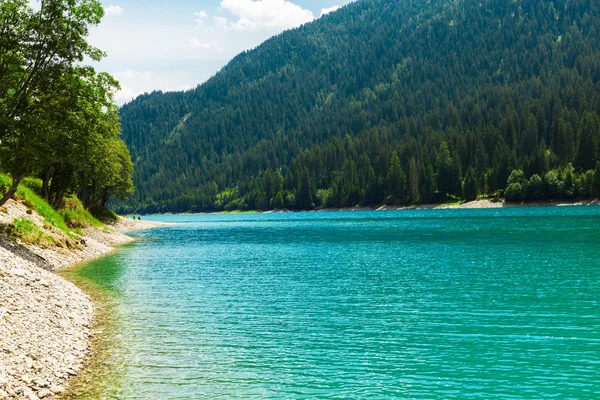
{"x":70,"y":219}
{"x":105,"y":215}
{"x":28,"y":232}
{"x":34,"y":184}
{"x":76,"y":216}
{"x":36,"y":203}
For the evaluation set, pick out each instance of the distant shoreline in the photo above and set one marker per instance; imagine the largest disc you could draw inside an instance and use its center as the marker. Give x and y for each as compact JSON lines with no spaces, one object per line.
{"x":476,"y":204}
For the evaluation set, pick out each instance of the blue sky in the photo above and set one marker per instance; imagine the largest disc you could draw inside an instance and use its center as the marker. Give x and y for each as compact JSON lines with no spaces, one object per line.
{"x":175,"y":45}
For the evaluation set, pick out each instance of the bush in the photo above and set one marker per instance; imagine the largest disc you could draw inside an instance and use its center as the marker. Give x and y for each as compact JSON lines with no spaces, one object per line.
{"x":104,"y":215}
{"x":554,"y":185}
{"x":5,"y":182}
{"x":534,"y":188}
{"x":278,"y":203}
{"x":28,"y":232}
{"x":76,"y":216}
{"x":290,"y":200}
{"x":34,"y":184}
{"x":514,"y":192}
{"x":516,"y":176}
{"x":237,"y":204}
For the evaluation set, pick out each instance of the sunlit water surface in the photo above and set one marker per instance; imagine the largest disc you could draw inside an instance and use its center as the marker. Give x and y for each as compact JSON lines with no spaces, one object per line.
{"x":425,"y":304}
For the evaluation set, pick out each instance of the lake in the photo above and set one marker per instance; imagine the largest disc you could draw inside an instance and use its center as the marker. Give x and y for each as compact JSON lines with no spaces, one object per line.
{"x":472,"y":304}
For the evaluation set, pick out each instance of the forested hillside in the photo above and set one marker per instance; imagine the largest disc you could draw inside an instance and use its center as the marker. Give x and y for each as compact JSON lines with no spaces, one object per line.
{"x":384,"y":101}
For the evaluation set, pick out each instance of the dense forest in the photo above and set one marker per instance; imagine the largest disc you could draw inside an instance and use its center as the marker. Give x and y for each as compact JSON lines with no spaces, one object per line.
{"x":59,"y":124}
{"x":384,"y":102}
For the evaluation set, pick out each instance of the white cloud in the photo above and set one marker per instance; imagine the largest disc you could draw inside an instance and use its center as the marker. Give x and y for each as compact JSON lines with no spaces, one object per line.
{"x":113,"y":11}
{"x":266,"y":14}
{"x":328,"y":10}
{"x":211,"y":45}
{"x":220,"y":22}
{"x":129,"y":79}
{"x":139,"y":75}
{"x":201,"y":17}
{"x":125,"y":95}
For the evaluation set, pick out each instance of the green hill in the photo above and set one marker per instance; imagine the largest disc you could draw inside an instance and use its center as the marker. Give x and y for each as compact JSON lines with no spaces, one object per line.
{"x":383,"y":101}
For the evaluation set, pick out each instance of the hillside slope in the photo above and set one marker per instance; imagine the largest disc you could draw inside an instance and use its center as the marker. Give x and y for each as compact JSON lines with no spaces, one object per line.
{"x":383,"y":101}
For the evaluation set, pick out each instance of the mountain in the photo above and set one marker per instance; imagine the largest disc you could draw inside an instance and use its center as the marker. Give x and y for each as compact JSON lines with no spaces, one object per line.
{"x":383,"y":101}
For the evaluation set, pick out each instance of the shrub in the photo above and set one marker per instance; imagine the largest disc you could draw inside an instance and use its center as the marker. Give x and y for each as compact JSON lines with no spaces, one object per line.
{"x":516,"y":176}
{"x":553,"y":184}
{"x":278,"y":203}
{"x":76,"y":216}
{"x":34,"y":184}
{"x":28,"y":232}
{"x":104,"y":215}
{"x":534,"y":188}
{"x":514,"y":192}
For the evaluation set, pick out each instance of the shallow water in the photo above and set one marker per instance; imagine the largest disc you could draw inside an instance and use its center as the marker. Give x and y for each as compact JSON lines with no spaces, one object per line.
{"x":484,"y":304}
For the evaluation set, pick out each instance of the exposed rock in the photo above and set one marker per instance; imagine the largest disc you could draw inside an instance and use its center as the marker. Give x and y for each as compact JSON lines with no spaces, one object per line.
{"x":45,"y":321}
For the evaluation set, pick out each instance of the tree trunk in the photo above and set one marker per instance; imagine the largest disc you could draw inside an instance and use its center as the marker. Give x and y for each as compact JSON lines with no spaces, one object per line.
{"x":104,"y":201}
{"x":16,"y":180}
{"x":46,"y":183}
{"x":60,"y":194}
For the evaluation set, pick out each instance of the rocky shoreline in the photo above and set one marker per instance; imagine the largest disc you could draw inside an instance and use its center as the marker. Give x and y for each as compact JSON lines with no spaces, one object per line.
{"x":46,"y":321}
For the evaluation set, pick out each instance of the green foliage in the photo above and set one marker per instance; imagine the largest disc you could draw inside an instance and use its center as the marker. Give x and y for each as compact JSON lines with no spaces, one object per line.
{"x":596,"y":182}
{"x":76,"y":216}
{"x":58,"y":120}
{"x":278,"y":203}
{"x":516,"y":176}
{"x":34,"y":184}
{"x":587,"y":151}
{"x":104,"y":215}
{"x":327,"y":105}
{"x":469,"y":187}
{"x":534,"y":188}
{"x":563,"y":183}
{"x":514,"y":192}
{"x":28,"y":232}
{"x":36,"y":203}
{"x":443,"y":165}
{"x":5,"y":182}
{"x":396,"y":181}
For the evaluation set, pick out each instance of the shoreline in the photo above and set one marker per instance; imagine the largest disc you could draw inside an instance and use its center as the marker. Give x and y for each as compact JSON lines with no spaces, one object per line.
{"x":475,"y":204}
{"x":48,"y":323}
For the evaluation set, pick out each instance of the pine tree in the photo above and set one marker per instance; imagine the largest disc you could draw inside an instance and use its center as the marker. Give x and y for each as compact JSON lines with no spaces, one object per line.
{"x":469,"y":187}
{"x":278,"y":203}
{"x":445,"y":173}
{"x":304,"y":200}
{"x":413,"y":181}
{"x":596,"y":182}
{"x":396,"y":181}
{"x":588,"y":141}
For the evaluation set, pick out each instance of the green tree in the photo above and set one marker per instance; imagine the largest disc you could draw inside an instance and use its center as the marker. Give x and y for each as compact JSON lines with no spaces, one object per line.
{"x":588,"y":141}
{"x":304,"y":198}
{"x":396,"y":181}
{"x":469,"y":187}
{"x":596,"y":182}
{"x":413,"y":181}
{"x":534,"y":187}
{"x":38,"y":53}
{"x":514,"y":192}
{"x":445,"y":173}
{"x":278,"y":203}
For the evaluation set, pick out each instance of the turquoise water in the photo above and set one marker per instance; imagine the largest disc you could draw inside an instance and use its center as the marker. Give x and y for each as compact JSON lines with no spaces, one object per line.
{"x":481,"y":304}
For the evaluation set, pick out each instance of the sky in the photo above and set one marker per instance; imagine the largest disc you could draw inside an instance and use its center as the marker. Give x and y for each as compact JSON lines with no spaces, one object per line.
{"x":178,"y":44}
